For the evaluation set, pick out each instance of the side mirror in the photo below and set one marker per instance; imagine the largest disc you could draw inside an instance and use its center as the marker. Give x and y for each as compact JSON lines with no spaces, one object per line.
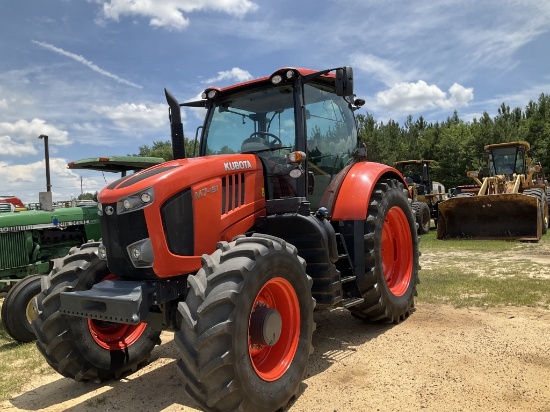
{"x":344,"y":81}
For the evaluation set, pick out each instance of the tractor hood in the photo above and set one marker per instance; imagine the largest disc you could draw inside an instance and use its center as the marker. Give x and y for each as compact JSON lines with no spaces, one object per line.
{"x":167,"y":179}
{"x":179,"y":210}
{"x":40,"y":219}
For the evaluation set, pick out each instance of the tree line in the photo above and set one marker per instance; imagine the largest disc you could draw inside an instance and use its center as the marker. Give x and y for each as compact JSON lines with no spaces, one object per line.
{"x":456,"y":145}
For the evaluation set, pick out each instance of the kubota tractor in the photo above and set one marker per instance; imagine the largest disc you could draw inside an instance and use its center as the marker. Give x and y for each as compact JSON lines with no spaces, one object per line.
{"x":233,"y":249}
{"x":425,"y":193}
{"x":511,"y":202}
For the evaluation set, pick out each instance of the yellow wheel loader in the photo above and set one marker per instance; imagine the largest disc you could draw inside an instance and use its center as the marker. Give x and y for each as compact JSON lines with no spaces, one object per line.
{"x":511,"y":202}
{"x":425,"y":192}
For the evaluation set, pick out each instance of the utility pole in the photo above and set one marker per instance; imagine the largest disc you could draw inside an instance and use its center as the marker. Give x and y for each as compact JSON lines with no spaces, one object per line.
{"x":45,"y":198}
{"x":47,"y":157}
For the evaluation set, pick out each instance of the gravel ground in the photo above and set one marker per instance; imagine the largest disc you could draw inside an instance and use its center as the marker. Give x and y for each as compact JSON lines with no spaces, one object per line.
{"x":440,"y":359}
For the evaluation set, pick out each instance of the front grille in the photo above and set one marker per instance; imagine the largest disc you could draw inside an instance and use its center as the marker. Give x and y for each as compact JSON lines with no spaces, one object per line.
{"x":13,"y":250}
{"x":233,"y":190}
{"x":177,"y":221}
{"x":119,"y":231}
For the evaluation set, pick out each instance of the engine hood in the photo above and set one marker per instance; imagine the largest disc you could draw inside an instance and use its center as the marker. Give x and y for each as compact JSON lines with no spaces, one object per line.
{"x":171,"y":177}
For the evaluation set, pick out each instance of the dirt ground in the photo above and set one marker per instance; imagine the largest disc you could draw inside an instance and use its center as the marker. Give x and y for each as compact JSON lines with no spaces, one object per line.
{"x":438,"y":359}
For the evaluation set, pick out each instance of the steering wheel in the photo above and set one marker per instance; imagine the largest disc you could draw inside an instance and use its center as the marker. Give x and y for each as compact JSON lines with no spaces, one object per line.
{"x":268,"y":135}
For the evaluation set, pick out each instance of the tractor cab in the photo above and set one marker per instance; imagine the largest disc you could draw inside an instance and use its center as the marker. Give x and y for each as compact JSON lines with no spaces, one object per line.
{"x":299,"y":122}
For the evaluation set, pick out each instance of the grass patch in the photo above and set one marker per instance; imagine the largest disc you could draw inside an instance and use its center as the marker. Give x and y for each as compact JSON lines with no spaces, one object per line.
{"x":430,"y":242}
{"x":20,"y":363}
{"x":482,"y":273}
{"x":460,"y":289}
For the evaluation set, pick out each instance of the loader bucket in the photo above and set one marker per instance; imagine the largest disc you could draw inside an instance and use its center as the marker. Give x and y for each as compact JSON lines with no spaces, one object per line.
{"x":502,"y":216}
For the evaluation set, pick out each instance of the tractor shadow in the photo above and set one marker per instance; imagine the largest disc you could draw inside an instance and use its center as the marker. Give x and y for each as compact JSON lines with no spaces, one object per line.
{"x":338,"y":336}
{"x":159,"y":385}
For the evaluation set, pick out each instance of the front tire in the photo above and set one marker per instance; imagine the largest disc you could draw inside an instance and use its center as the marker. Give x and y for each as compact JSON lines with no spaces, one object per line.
{"x":246,"y":326}
{"x":423,"y":217}
{"x":391,"y":256}
{"x":543,"y":206}
{"x":18,"y":310}
{"x":80,"y":348}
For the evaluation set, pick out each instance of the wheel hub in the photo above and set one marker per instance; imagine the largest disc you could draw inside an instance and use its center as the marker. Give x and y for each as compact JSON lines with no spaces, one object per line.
{"x":265,"y":326}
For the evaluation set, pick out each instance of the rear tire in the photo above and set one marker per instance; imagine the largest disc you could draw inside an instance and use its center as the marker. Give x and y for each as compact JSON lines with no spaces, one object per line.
{"x":80,"y":348}
{"x":18,"y":310}
{"x":422,"y":216}
{"x":224,"y":364}
{"x":391,"y":256}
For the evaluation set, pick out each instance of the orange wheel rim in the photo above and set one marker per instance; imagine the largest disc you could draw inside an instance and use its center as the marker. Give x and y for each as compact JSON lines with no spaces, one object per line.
{"x":271,"y":362}
{"x":397,"y":251}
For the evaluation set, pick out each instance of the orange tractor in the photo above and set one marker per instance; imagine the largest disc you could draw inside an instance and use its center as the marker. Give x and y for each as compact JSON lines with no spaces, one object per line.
{"x":233,"y":250}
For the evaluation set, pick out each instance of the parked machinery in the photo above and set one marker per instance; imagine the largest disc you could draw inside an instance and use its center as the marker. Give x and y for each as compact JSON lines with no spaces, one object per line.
{"x":228,"y":250}
{"x":511,"y":202}
{"x":425,"y":193}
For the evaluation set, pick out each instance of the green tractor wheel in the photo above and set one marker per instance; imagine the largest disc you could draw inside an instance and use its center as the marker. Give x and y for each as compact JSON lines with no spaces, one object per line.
{"x":18,"y":310}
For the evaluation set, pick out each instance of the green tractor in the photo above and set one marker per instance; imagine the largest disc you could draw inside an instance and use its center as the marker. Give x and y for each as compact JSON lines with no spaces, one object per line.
{"x":30,"y":241}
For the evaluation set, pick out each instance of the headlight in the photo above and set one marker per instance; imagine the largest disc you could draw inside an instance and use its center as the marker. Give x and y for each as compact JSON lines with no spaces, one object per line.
{"x":277,"y":79}
{"x":136,"y":201}
{"x":141,"y":253}
{"x":102,"y":252}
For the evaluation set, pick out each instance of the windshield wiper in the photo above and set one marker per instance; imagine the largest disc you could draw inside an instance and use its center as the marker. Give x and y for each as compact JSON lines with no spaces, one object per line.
{"x":271,"y":149}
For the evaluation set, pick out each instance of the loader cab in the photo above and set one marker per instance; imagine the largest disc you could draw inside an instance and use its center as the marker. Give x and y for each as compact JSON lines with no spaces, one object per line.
{"x":507,"y":159}
{"x":292,"y":111}
{"x":417,"y":172}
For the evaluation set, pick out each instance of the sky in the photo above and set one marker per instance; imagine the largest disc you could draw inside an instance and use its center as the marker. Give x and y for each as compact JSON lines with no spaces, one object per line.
{"x":90,"y":74}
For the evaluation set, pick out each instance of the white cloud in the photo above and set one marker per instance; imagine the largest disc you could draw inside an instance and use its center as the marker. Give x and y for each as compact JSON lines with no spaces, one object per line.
{"x":29,"y":131}
{"x":26,"y":180}
{"x":415,"y":97}
{"x":10,"y":148}
{"x":383,"y":70}
{"x":133,"y":117}
{"x":169,"y":14}
{"x":3,"y":104}
{"x":234,"y":75}
{"x":460,"y":96}
{"x":85,"y":62}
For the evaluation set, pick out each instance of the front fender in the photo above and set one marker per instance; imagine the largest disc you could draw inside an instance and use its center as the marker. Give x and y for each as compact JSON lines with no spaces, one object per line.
{"x":352,"y":188}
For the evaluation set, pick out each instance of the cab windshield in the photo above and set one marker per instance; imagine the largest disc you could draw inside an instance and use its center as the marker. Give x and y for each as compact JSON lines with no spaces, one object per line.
{"x":263,"y":120}
{"x":507,"y":161}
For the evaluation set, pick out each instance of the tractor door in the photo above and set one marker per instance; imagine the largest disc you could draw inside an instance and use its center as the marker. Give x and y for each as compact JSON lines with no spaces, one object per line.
{"x":331,"y":136}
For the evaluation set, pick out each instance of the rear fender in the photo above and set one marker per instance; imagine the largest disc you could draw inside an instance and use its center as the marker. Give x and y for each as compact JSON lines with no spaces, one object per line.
{"x":348,"y":196}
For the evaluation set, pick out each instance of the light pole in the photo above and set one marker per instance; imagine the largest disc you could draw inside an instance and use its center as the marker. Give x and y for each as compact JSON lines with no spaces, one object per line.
{"x":47,"y":157}
{"x":45,"y":198}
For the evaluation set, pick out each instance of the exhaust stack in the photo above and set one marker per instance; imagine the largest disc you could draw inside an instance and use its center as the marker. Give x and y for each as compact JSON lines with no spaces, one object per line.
{"x":176,"y":127}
